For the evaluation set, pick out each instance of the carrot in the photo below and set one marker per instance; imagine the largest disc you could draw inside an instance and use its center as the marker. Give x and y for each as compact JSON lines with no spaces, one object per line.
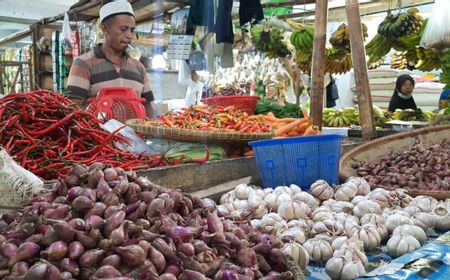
{"x":248,"y":153}
{"x":288,"y":127}
{"x":305,"y":113}
{"x":271,"y":119}
{"x":312,"y":130}
{"x":302,"y":128}
{"x":270,"y":114}
{"x":288,"y":120}
{"x":293,"y":133}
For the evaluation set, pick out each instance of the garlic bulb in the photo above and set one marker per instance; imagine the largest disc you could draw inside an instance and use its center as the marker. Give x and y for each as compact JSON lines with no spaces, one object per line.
{"x":284,"y":189}
{"x":362,"y":186}
{"x":306,"y":198}
{"x":344,"y":217}
{"x":372,"y":218}
{"x":401,"y":244}
{"x":293,"y":210}
{"x":353,"y":252}
{"x":321,"y":213}
{"x":441,"y":218}
{"x":396,"y":220}
{"x":325,"y":236}
{"x":346,"y":192}
{"x":340,"y":268}
{"x":272,"y":221}
{"x":426,"y":203}
{"x":301,"y":224}
{"x":400,"y":197}
{"x":259,"y":211}
{"x":339,"y":206}
{"x":273,"y":200}
{"x":240,"y":204}
{"x":382,"y":230}
{"x":297,"y":252}
{"x":256,"y":223}
{"x":380,"y":196}
{"x":368,"y":235}
{"x":256,"y":198}
{"x":389,"y":212}
{"x":414,"y":231}
{"x":412,"y":210}
{"x":366,"y":207}
{"x":322,"y":190}
{"x":328,"y":226}
{"x":358,"y":199}
{"x":295,"y":234}
{"x":349,"y":225}
{"x":242,"y":191}
{"x":424,"y":220}
{"x":223,"y":210}
{"x":339,"y":242}
{"x":295,"y":189}
{"x":227,"y":197}
{"x":318,"y":250}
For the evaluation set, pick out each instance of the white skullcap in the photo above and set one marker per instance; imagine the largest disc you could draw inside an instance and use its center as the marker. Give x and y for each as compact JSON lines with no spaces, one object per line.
{"x":115,"y":8}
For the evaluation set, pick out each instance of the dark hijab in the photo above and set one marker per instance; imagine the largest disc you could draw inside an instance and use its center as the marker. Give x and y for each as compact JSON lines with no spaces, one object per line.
{"x":398,"y":102}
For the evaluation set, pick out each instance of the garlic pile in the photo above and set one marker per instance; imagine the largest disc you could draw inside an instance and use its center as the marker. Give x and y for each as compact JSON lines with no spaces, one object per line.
{"x":338,"y":225}
{"x":244,"y":71}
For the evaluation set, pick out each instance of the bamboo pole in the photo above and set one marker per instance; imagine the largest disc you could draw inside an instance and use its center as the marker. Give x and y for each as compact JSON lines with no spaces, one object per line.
{"x":360,"y":68}
{"x":318,"y":61}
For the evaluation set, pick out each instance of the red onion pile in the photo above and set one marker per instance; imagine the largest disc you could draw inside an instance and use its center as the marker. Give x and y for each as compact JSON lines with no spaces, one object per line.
{"x":424,"y":167}
{"x":105,"y":223}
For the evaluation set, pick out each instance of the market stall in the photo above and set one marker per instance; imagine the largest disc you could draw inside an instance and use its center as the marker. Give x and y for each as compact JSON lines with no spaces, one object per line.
{"x":256,"y":175}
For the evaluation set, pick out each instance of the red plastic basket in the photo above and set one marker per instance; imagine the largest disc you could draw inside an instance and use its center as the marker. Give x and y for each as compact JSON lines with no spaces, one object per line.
{"x":245,"y":103}
{"x":121,"y":104}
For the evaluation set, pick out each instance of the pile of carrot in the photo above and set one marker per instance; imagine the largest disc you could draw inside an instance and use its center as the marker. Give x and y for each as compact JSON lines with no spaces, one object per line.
{"x":290,"y":127}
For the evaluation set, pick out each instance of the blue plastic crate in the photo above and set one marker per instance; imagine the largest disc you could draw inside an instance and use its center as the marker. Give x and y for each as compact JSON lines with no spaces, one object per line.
{"x":298,"y":160}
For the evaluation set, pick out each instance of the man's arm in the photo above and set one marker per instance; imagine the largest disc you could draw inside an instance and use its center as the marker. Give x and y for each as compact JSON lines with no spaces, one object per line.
{"x":78,"y":83}
{"x":149,"y":98}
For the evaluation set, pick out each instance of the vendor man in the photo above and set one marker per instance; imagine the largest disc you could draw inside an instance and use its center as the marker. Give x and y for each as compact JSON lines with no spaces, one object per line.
{"x":108,"y":64}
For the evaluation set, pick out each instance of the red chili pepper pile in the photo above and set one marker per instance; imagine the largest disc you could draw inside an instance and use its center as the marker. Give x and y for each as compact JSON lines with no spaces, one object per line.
{"x":46,"y":133}
{"x":209,"y":118}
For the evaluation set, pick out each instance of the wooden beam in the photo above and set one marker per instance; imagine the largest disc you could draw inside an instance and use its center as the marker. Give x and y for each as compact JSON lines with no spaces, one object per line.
{"x":15,"y":37}
{"x":360,"y":68}
{"x":318,"y":61}
{"x":74,"y":11}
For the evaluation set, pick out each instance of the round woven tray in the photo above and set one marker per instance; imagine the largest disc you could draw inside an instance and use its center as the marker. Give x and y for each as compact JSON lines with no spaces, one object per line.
{"x":191,"y":135}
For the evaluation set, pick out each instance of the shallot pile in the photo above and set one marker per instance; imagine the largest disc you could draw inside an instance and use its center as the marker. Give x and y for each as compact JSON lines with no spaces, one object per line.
{"x":425,"y":167}
{"x":336,"y":226}
{"x":104,"y":223}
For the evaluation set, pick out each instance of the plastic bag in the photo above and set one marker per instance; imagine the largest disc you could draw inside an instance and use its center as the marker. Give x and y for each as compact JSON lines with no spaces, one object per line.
{"x":137,"y":144}
{"x":17,"y":185}
{"x":66,"y":34}
{"x":437,"y":31}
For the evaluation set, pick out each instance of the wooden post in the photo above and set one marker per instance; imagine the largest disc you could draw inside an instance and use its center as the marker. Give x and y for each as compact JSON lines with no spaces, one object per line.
{"x":360,"y":68}
{"x":318,"y":61}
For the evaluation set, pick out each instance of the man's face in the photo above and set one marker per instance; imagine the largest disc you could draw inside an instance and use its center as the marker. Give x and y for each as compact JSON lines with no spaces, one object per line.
{"x":119,"y":31}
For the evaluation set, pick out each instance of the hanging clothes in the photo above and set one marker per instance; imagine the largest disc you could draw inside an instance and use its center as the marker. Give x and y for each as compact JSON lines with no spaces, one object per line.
{"x":224,"y":25}
{"x":201,"y":13}
{"x":250,"y":10}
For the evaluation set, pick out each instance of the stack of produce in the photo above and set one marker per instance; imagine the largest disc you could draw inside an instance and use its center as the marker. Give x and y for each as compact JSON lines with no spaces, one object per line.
{"x":412,"y":115}
{"x":398,"y":60}
{"x":338,"y":55}
{"x":350,"y":116}
{"x":403,"y":32}
{"x":423,"y":167}
{"x":269,"y":39}
{"x":289,"y":127}
{"x":288,"y":110}
{"x":229,"y":90}
{"x":46,"y":133}
{"x":211,"y":118}
{"x":337,"y":227}
{"x":104,"y":223}
{"x":442,"y":118}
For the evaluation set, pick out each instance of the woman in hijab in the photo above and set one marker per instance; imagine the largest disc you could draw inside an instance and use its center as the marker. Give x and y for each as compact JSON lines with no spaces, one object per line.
{"x":402,"y":97}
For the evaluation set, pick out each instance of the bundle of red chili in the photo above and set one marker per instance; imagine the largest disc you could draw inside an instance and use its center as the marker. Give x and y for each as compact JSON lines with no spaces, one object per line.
{"x":46,"y":133}
{"x":227,"y":119}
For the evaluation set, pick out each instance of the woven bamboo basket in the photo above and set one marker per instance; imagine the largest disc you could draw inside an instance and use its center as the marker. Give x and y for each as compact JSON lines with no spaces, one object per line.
{"x":373,"y":150}
{"x":191,"y":135}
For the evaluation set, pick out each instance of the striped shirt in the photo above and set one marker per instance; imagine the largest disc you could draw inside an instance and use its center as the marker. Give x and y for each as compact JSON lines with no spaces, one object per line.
{"x":93,"y":71}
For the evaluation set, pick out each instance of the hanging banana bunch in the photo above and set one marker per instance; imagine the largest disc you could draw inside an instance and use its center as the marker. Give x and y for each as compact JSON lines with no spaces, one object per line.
{"x":270,"y":40}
